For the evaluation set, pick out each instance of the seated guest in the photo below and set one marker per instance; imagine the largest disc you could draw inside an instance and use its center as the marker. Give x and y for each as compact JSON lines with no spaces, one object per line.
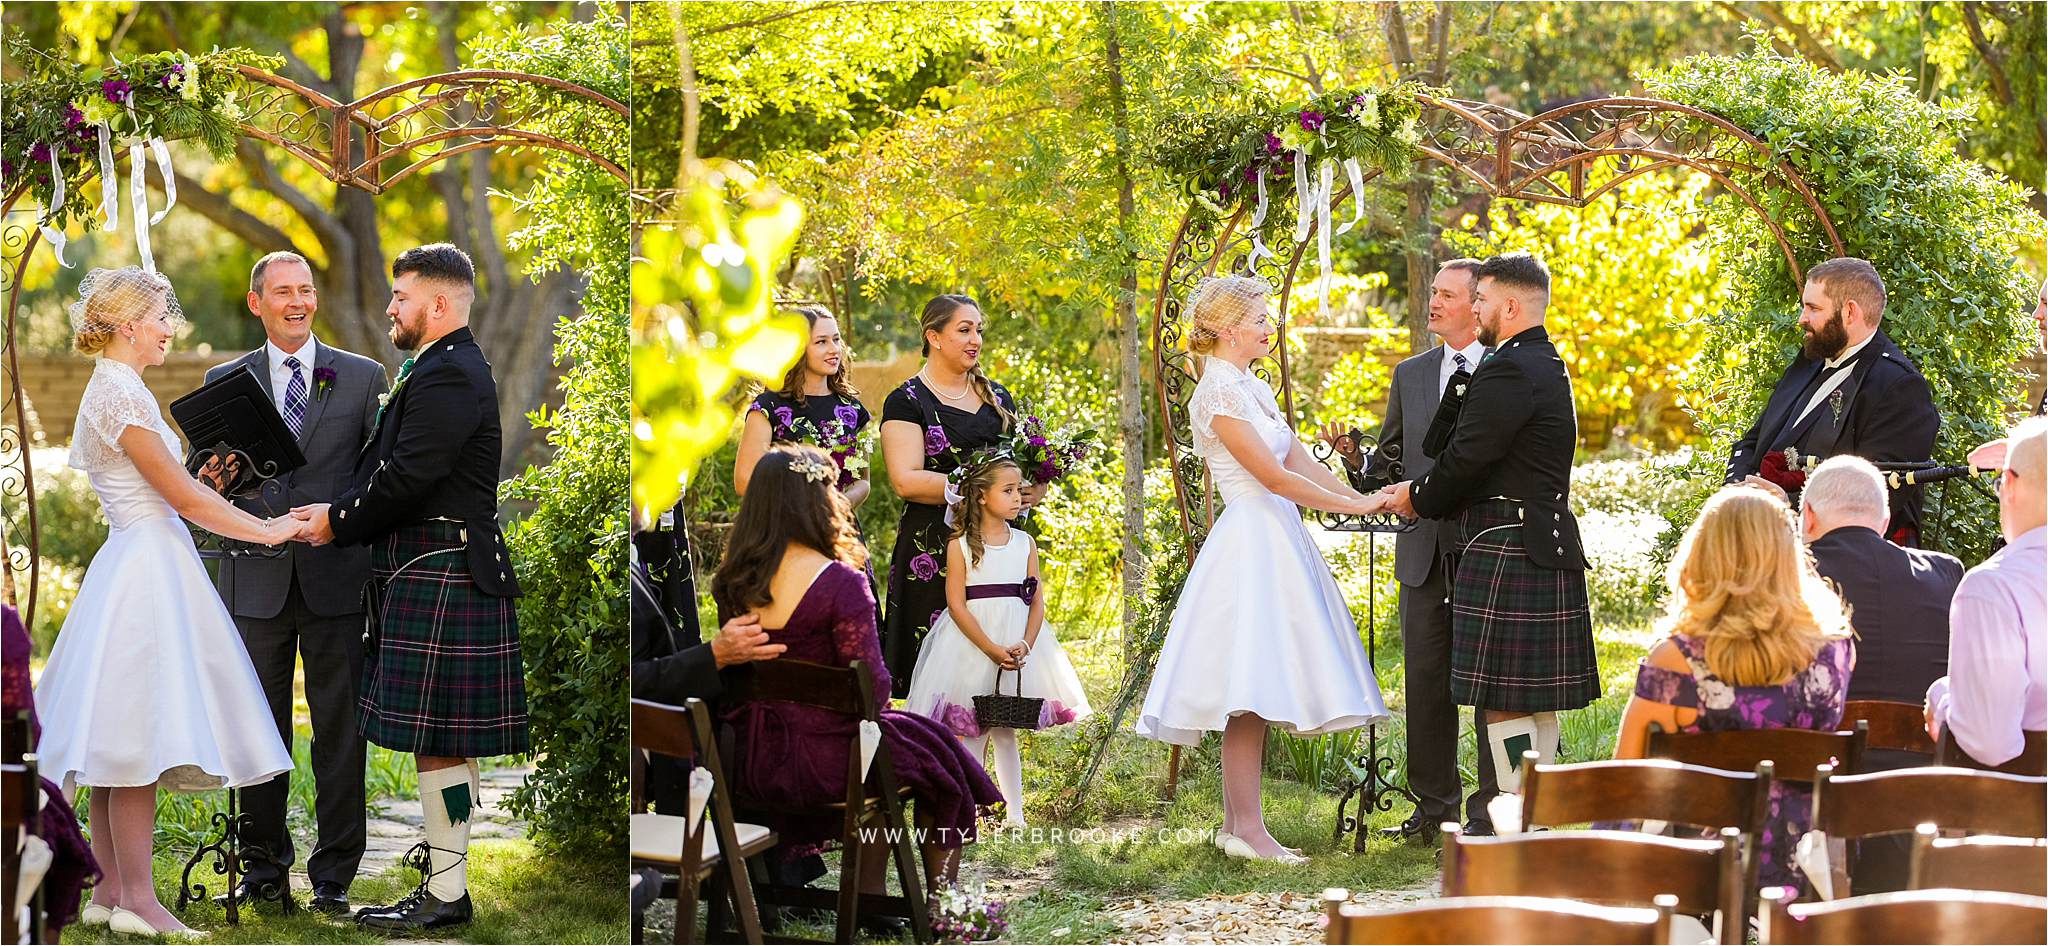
{"x":794,"y":562}
{"x":1898,"y":602}
{"x":666,"y":670}
{"x":1757,"y":641}
{"x":1995,"y":696}
{"x":72,"y":866}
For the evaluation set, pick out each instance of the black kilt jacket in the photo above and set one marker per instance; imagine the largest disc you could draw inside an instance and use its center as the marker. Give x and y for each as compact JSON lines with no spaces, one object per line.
{"x":1515,"y":437}
{"x":435,"y":456}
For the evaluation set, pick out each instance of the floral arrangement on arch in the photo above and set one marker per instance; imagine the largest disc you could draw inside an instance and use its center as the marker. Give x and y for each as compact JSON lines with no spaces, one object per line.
{"x":54,"y":117}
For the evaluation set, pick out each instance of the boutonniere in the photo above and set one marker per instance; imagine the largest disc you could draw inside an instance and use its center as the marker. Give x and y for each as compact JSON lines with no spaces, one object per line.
{"x":1835,"y":407}
{"x":323,"y":380}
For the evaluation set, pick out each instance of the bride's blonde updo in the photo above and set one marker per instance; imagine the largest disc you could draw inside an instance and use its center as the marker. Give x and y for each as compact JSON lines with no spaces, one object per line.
{"x":111,"y":298}
{"x":1218,"y":303}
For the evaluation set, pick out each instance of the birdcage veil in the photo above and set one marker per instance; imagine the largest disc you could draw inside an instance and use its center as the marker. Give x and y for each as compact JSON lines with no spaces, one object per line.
{"x":1221,"y":302}
{"x":111,"y":298}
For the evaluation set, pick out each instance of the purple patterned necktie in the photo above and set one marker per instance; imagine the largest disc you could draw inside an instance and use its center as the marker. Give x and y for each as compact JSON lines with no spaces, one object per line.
{"x":295,"y":397}
{"x":1458,"y":359}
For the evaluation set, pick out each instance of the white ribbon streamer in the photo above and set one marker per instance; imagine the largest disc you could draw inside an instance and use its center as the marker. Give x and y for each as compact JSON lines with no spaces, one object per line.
{"x":1258,"y":220}
{"x":140,"y":195}
{"x":163,"y":165}
{"x":870,"y":740}
{"x":110,"y":195}
{"x":1304,"y":196}
{"x":1357,"y":195}
{"x":1323,"y":194}
{"x":50,"y":233}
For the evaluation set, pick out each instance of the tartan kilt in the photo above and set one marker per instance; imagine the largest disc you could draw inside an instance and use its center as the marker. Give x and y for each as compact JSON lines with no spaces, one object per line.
{"x":446,"y":678}
{"x":1521,"y":634}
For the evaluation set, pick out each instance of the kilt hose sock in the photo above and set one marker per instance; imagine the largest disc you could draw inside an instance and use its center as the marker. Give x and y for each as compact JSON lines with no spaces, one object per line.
{"x":447,"y":799}
{"x":1510,"y":738}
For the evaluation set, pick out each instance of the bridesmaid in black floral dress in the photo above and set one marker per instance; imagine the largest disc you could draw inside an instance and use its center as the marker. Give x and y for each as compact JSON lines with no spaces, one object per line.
{"x":816,"y":405}
{"x":931,"y":423}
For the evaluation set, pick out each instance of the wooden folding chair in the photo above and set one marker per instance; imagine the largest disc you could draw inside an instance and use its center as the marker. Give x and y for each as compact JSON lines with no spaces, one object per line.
{"x":668,"y":844}
{"x":1859,"y":806}
{"x":1893,"y":725}
{"x":1915,"y":916}
{"x":1496,"y":920}
{"x":1796,"y":752}
{"x":2032,"y":760}
{"x":1654,"y":790}
{"x":1984,"y":862}
{"x":851,"y":691}
{"x":20,"y":817}
{"x":1619,"y":868}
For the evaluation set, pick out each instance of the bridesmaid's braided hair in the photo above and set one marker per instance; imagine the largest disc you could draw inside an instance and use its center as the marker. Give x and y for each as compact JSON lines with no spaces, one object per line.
{"x":787,"y":501}
{"x":938,"y":313}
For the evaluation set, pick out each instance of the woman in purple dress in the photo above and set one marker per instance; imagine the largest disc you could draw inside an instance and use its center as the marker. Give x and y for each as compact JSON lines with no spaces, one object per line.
{"x":72,"y":867}
{"x":794,"y":560}
{"x":1758,"y":641}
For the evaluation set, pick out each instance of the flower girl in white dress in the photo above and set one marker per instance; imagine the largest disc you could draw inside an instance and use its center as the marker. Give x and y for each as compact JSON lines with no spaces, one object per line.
{"x":148,"y":684}
{"x":992,"y":629}
{"x":1261,"y":636}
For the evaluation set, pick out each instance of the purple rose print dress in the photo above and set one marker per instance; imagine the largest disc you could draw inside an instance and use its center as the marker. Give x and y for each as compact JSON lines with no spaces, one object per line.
{"x":951,"y":671}
{"x":833,"y":422}
{"x":917,"y":570}
{"x":1811,"y":700}
{"x":796,"y":755}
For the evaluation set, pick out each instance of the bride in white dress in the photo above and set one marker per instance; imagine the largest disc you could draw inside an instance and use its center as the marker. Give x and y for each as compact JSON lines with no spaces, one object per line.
{"x":1261,"y":636}
{"x":148,"y":684}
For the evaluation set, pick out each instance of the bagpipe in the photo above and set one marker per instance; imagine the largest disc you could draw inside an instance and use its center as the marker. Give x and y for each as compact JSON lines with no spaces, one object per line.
{"x":1788,"y":468}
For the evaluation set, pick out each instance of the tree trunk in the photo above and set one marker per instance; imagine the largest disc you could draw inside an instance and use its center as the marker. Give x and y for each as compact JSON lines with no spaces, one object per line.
{"x":1416,"y":225}
{"x":1130,"y":405}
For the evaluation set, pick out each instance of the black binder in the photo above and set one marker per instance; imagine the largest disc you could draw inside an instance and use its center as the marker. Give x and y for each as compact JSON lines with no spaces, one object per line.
{"x":232,"y":413}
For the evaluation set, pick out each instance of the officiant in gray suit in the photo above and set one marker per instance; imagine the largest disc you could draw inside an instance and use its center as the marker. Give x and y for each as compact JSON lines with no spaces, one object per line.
{"x":1432,"y":715}
{"x":307,"y":602}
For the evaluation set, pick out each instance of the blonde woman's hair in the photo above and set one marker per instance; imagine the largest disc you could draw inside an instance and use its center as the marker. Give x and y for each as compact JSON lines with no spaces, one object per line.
{"x":109,"y":299}
{"x":968,"y":511}
{"x":1742,"y":583}
{"x":1218,"y":303}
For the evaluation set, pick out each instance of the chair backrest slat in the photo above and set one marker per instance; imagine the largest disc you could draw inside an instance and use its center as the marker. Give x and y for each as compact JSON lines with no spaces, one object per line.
{"x":1915,"y":916}
{"x":1644,"y":790}
{"x":846,"y":689}
{"x":1500,"y":920}
{"x":1796,"y":752}
{"x":1893,"y":725}
{"x":1857,"y":806}
{"x":1984,"y":862}
{"x":1615,"y":867}
{"x":659,"y":727}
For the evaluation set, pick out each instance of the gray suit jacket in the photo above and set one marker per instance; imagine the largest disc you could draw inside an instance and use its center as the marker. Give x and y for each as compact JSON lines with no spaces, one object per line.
{"x":1411,"y":403}
{"x":337,"y":424}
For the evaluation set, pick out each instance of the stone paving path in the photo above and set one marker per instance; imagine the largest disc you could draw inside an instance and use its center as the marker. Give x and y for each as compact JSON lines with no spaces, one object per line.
{"x":394,"y":826}
{"x":1286,"y":917}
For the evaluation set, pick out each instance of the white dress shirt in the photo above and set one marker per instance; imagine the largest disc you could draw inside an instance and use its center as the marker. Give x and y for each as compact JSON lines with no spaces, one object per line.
{"x":1997,"y":684}
{"x":281,"y":376}
{"x":1828,"y":387}
{"x":1449,"y":367}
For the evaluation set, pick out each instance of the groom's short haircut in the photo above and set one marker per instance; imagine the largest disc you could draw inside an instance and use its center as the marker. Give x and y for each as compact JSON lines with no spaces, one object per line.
{"x":263,"y":265}
{"x":1517,"y":271}
{"x":444,"y":263}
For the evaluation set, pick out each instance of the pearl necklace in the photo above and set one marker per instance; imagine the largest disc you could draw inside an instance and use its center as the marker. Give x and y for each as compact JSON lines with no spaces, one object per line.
{"x":941,"y":391}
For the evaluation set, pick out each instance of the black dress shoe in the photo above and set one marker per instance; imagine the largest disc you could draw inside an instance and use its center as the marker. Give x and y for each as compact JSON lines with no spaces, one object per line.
{"x":888,"y":927}
{"x":1479,"y":829}
{"x":331,"y":899}
{"x":1418,"y":827}
{"x":250,"y":891}
{"x":419,"y":912}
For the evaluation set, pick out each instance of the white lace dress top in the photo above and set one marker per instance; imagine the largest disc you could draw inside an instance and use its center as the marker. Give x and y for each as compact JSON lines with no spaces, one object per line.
{"x":116,"y":399}
{"x":1229,"y":391}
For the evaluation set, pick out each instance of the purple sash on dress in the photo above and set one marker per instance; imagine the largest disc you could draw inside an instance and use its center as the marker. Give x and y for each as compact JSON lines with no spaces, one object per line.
{"x":1026,"y":589}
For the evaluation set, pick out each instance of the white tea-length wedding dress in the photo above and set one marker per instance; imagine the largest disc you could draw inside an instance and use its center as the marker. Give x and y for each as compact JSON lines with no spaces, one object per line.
{"x":1261,"y":626}
{"x":148,"y":681}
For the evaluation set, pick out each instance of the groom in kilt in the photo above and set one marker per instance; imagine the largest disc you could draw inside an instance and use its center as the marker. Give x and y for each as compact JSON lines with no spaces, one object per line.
{"x":442,"y":677}
{"x":1521,"y":631}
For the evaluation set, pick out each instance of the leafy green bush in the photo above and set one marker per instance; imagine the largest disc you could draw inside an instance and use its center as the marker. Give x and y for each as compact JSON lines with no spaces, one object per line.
{"x":1943,"y":232}
{"x":570,"y":552}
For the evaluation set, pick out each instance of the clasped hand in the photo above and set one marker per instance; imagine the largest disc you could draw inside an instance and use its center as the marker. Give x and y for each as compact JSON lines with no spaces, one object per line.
{"x":303,"y":524}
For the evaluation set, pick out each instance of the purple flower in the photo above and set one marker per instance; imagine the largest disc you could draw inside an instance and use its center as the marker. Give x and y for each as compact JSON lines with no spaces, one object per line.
{"x":936,"y":615}
{"x":1037,"y":441}
{"x":784,"y":416}
{"x":1223,"y":191}
{"x":6,"y":168}
{"x":923,"y":568}
{"x":116,"y":90}
{"x":39,"y":153}
{"x":847,"y":415}
{"x":1272,"y":143}
{"x":935,"y":441}
{"x":323,"y":374}
{"x":1312,"y":121}
{"x":72,"y":116}
{"x":1047,"y":472}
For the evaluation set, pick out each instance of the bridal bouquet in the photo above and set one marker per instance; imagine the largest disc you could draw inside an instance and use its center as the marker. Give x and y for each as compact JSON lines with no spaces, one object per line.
{"x":964,"y":914}
{"x":1046,"y":454}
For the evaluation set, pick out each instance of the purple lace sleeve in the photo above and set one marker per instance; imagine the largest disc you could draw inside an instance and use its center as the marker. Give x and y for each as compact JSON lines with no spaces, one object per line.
{"x":853,"y":626}
{"x":1668,"y":687}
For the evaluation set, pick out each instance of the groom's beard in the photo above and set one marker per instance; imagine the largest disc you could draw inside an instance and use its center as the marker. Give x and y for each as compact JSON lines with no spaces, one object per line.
{"x":405,"y":335}
{"x":1489,"y":332}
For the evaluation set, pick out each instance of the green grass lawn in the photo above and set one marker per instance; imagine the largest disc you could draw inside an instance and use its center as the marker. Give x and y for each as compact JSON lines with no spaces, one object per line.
{"x":521,"y":896}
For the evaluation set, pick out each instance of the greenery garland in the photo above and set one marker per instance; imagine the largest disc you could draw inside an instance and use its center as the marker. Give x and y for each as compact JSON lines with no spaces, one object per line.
{"x":58,"y":108}
{"x":1217,"y":160}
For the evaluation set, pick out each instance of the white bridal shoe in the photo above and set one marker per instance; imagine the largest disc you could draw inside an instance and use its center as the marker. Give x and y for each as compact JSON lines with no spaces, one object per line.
{"x":1234,"y":846}
{"x":121,"y":920}
{"x":1223,"y":838}
{"x":92,"y":914}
